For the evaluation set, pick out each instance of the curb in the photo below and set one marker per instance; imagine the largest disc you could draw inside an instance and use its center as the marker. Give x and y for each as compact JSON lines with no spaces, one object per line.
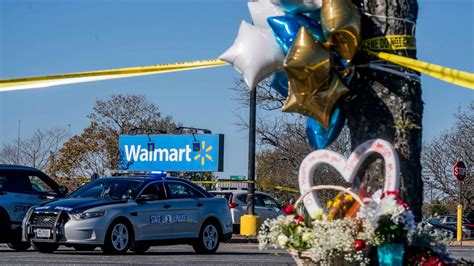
{"x":465,"y":243}
{"x":242,"y":239}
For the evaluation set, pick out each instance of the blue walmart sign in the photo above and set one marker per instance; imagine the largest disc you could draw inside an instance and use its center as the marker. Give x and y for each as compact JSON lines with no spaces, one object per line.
{"x":201,"y":152}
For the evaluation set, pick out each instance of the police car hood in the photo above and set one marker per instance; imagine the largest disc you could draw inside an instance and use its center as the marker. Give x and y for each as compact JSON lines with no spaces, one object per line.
{"x":77,"y":204}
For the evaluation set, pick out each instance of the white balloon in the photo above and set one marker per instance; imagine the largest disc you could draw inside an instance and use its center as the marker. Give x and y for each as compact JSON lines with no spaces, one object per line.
{"x":261,"y":10}
{"x":298,"y":6}
{"x":255,"y":53}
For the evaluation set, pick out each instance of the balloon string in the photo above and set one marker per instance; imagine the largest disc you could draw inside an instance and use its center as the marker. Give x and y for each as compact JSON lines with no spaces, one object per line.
{"x":382,"y":66}
{"x":406,"y":75}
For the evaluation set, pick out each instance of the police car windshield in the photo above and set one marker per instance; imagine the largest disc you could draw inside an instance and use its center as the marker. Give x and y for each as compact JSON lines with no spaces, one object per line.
{"x":105,"y":188}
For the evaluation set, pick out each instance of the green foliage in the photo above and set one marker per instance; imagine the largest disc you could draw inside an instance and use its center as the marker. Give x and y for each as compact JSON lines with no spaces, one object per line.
{"x":391,"y":232}
{"x":439,"y":209}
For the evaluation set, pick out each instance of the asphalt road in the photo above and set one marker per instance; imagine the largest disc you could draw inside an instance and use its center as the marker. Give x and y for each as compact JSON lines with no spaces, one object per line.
{"x":228,"y":254}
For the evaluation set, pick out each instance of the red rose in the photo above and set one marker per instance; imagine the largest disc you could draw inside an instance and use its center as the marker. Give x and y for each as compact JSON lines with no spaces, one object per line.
{"x":299,"y":218}
{"x":359,"y":244}
{"x":288,"y":209}
{"x":402,"y":203}
{"x":388,"y":193}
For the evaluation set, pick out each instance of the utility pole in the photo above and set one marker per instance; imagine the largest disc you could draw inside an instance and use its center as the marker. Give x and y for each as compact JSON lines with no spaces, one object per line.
{"x":431,"y":191}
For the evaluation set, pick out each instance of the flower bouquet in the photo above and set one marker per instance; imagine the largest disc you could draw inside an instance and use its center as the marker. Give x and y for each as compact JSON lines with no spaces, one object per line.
{"x":355,"y":231}
{"x":316,"y":239}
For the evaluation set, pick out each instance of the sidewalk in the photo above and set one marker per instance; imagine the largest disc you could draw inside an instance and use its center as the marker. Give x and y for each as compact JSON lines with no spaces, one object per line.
{"x":253,"y":239}
{"x":465,"y":243}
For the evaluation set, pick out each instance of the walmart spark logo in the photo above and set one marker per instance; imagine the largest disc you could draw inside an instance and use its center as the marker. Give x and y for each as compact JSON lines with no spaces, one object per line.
{"x":203,"y":154}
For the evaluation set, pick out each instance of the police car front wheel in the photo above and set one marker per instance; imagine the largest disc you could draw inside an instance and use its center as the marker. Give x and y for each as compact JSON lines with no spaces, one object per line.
{"x":19,"y":246}
{"x":208,"y":241}
{"x":117,"y":239}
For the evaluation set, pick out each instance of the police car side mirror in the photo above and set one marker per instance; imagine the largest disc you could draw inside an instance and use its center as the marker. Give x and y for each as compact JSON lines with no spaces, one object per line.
{"x":147,"y":197}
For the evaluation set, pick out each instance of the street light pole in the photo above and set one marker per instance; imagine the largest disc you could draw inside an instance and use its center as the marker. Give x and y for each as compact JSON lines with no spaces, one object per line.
{"x":251,"y":166}
{"x":249,"y":223}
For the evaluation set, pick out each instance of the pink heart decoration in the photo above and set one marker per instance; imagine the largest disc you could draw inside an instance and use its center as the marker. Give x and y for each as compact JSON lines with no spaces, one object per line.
{"x":348,"y":168}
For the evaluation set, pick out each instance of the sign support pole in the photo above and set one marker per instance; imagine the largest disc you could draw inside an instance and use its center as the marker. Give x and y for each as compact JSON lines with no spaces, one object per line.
{"x":459,"y":171}
{"x":459,"y":219}
{"x":249,"y":223}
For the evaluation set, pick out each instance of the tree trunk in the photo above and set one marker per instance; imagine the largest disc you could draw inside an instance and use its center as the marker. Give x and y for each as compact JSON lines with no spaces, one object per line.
{"x":388,"y":106}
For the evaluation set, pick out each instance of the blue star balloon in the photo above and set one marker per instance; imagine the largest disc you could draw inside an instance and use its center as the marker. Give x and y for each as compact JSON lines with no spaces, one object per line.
{"x":286,"y":27}
{"x":315,"y":16}
{"x":320,"y":138}
{"x":280,"y":83}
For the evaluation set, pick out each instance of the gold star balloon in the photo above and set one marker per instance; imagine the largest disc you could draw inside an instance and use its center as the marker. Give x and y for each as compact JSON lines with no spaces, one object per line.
{"x":313,"y":90}
{"x":340,"y":20}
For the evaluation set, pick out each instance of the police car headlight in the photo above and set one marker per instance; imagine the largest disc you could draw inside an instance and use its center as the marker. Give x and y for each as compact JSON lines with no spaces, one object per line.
{"x":89,"y":215}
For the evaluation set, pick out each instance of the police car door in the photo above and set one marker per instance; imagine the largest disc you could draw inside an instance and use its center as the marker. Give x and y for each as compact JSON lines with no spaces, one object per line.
{"x":186,"y":208}
{"x":18,"y":194}
{"x":152,"y":219}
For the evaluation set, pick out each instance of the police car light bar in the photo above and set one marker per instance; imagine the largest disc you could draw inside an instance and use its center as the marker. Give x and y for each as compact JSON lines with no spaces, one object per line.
{"x":139,"y":173}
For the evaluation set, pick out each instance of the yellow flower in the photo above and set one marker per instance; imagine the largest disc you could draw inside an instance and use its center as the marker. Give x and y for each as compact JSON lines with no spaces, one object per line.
{"x":328,"y":205}
{"x":298,"y":229}
{"x":348,"y":197}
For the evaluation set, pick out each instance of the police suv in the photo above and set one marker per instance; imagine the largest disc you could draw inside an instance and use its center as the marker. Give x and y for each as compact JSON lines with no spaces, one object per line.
{"x":132,"y":212}
{"x":20,"y":188}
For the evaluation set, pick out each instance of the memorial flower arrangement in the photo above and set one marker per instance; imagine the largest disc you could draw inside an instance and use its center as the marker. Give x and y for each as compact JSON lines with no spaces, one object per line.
{"x":337,"y":237}
{"x":317,"y":238}
{"x":387,"y":219}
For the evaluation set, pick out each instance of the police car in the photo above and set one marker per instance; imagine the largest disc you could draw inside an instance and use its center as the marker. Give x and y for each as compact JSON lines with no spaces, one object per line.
{"x":20,"y":188}
{"x":132,"y":212}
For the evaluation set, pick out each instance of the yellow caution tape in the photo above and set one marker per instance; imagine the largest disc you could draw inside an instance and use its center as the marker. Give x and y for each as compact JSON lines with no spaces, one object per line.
{"x":460,"y":78}
{"x":53,"y":80}
{"x":464,"y":79}
{"x":222,"y":181}
{"x":390,"y":42}
{"x":242,"y":181}
{"x":286,"y":189}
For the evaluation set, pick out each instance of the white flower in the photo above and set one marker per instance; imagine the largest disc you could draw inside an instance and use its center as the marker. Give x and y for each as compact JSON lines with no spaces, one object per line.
{"x":318,"y":214}
{"x":282,"y":239}
{"x":307,"y":236}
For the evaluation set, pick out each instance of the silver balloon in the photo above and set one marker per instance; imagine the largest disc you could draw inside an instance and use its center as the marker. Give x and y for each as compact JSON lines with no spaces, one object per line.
{"x":255,"y":53}
{"x":298,"y":6}
{"x":263,"y":9}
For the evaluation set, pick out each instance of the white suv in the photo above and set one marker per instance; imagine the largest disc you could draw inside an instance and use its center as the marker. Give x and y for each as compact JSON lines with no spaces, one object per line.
{"x":265,"y":205}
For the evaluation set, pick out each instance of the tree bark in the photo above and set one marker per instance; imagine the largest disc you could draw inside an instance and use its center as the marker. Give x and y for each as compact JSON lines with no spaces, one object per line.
{"x":388,"y":106}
